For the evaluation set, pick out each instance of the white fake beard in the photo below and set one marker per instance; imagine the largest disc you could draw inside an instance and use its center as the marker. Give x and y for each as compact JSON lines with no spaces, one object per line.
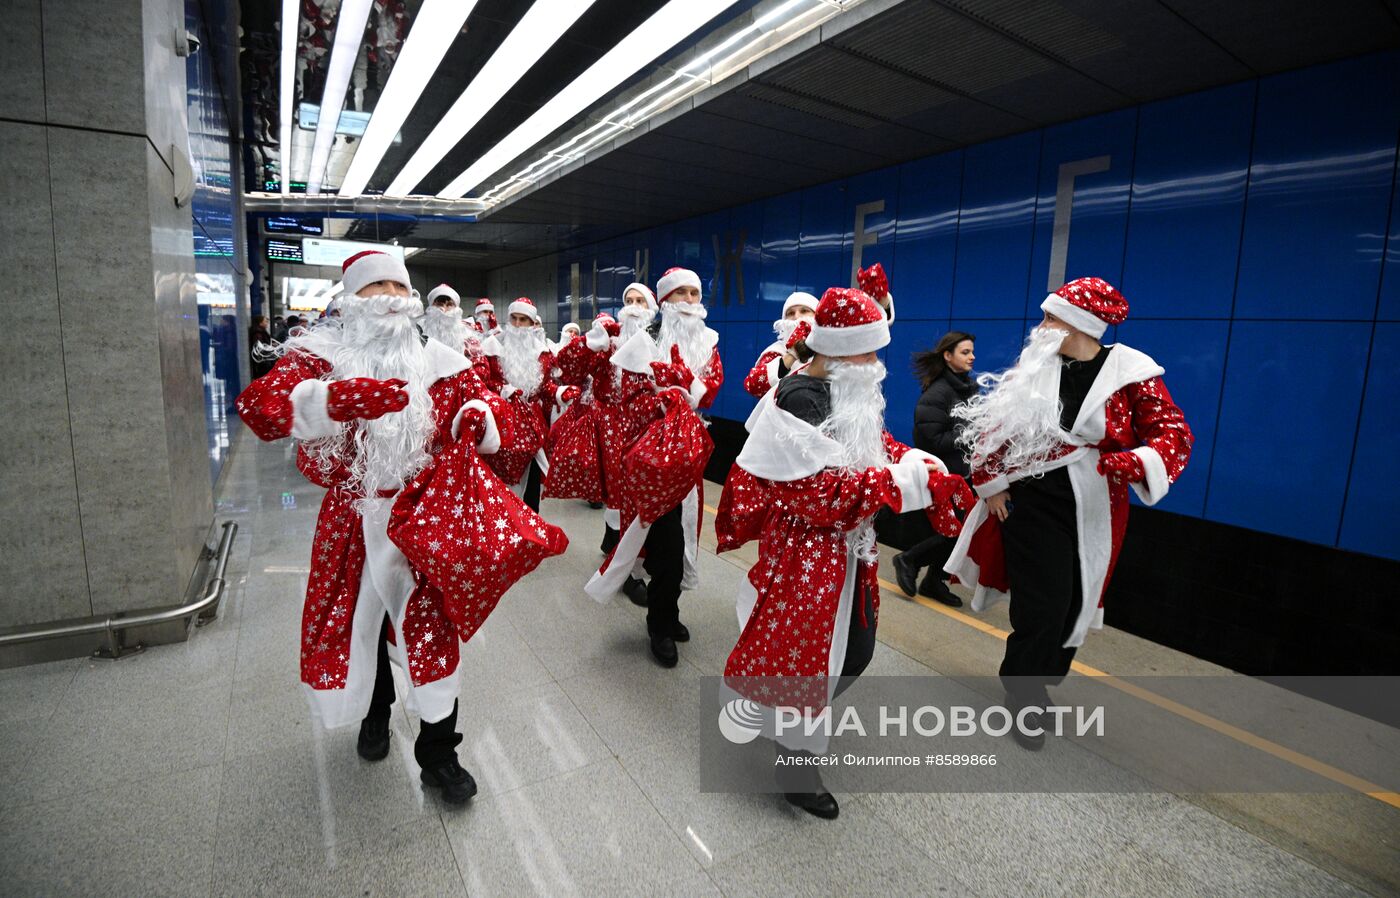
{"x":520,"y":357}
{"x":683,"y":325}
{"x":445,"y":327}
{"x":633,"y":319}
{"x":857,"y":422}
{"x":377,"y":338}
{"x":1019,"y":410}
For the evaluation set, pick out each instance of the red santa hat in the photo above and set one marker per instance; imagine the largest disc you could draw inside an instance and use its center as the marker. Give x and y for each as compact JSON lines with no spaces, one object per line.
{"x":644,"y":290}
{"x":1087,"y":304}
{"x":365,"y":268}
{"x":443,"y":290}
{"x":799,"y":299}
{"x":526,"y":306}
{"x":484,"y":305}
{"x":673,"y":278}
{"x":604,"y":316}
{"x":848,"y":322}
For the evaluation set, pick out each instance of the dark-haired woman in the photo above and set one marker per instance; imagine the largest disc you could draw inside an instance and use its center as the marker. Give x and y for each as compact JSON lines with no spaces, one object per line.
{"x":946,"y":374}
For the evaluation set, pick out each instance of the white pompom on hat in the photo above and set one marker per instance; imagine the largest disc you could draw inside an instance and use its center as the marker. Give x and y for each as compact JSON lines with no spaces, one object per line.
{"x":799,"y":299}
{"x":371,"y":266}
{"x":526,"y":306}
{"x":443,"y":290}
{"x":645,"y":291}
{"x":848,"y":322}
{"x":673,"y":278}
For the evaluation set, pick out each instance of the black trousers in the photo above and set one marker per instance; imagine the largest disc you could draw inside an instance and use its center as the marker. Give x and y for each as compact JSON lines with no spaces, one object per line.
{"x":932,"y":553}
{"x":532,"y":486}
{"x":1042,"y":562}
{"x":665,"y":565}
{"x":860,"y":649}
{"x":436,"y":742}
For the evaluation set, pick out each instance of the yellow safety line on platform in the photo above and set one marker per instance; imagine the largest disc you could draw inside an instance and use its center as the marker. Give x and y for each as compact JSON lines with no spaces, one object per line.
{"x":1244,"y":737}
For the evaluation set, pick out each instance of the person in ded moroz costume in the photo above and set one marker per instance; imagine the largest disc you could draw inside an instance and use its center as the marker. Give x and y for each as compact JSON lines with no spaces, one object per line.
{"x":1056,"y":443}
{"x":403,"y":561}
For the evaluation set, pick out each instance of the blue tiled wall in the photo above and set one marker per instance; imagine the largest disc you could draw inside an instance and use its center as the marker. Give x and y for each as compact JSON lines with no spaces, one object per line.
{"x":1254,"y":228}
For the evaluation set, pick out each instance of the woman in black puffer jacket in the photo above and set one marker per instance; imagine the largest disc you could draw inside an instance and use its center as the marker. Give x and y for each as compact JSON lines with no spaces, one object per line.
{"x":946,"y":374}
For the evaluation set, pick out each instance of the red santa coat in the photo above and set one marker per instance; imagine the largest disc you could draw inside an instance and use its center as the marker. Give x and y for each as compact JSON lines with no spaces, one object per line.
{"x":1127,"y":408}
{"x":788,"y":490}
{"x":357,"y":574}
{"x":634,"y":358}
{"x":763,"y":376}
{"x":532,"y":415}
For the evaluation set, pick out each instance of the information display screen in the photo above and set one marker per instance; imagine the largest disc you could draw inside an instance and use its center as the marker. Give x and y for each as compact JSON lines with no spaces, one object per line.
{"x":319,"y":251}
{"x":284,"y":251}
{"x":292,"y":224}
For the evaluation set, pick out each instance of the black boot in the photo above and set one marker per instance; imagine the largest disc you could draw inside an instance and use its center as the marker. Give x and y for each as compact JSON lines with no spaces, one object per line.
{"x":635,"y":589}
{"x":906,"y":575}
{"x":610,"y":538}
{"x":373,"y":744}
{"x":680,"y":633}
{"x":818,"y":804}
{"x":455,"y":782}
{"x":1034,"y":721}
{"x":663,"y":648}
{"x":936,"y":588}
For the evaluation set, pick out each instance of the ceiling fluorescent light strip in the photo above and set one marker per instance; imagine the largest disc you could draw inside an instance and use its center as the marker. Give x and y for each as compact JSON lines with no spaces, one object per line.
{"x":667,"y":27}
{"x":349,"y":37}
{"x":434,"y":29}
{"x":680,"y":85}
{"x":287,"y":73}
{"x":538,"y":30}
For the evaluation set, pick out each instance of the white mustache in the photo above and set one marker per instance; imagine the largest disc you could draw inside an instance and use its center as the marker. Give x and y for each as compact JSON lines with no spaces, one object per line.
{"x":386,"y":304}
{"x":689,"y":309}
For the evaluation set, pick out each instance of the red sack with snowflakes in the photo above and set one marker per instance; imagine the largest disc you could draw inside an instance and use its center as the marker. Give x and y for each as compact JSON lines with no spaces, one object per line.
{"x":512,"y":460}
{"x":573,"y":456}
{"x":472,"y":537}
{"x":668,"y":460}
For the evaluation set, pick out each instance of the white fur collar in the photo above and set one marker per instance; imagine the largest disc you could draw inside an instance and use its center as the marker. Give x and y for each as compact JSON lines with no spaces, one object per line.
{"x":1123,"y":366}
{"x":783,"y":447}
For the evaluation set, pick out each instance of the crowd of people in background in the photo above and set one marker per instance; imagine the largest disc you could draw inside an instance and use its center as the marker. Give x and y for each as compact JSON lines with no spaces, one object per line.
{"x":437,"y":434}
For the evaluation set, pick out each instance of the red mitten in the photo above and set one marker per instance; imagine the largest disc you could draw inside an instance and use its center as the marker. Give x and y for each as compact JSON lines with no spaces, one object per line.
{"x":611,"y":326}
{"x":365,"y":398}
{"x":799,"y":333}
{"x":950,"y":494}
{"x":570,"y":394}
{"x":1122,"y":467}
{"x":873,"y":281}
{"x":675,"y":374}
{"x":491,"y":320}
{"x":472,"y":425}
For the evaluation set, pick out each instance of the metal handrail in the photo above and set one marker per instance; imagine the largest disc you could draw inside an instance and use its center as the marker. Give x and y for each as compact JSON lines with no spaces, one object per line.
{"x":114,"y":625}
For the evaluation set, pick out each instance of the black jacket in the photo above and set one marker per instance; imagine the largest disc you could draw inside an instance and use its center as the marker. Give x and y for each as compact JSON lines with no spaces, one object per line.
{"x":935,"y":431}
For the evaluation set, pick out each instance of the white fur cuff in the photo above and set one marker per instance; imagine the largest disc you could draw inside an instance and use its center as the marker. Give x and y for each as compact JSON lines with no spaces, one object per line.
{"x":697,"y":391}
{"x":1156,"y":484}
{"x":912,"y":481}
{"x":310,"y":421}
{"x":596,"y":339}
{"x":919,"y":456}
{"x":490,"y":440}
{"x":998,"y":484}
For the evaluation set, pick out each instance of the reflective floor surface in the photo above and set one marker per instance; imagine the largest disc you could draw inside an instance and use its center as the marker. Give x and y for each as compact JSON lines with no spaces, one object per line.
{"x":195,"y":769}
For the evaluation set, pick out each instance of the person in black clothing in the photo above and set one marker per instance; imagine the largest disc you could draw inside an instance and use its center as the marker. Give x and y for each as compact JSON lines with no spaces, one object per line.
{"x":946,"y":374}
{"x":260,"y":355}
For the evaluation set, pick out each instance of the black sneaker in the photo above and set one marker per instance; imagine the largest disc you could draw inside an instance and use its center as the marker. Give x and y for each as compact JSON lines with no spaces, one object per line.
{"x":663,"y":648}
{"x":635,"y":589}
{"x":456,"y":784}
{"x":936,"y":588}
{"x":906,"y":575}
{"x":373,"y":744}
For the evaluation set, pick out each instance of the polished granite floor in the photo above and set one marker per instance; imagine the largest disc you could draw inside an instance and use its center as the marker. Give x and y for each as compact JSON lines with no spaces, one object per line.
{"x":195,"y":769}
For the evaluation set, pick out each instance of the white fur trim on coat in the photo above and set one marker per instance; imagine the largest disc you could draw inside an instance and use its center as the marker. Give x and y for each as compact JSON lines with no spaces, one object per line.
{"x":490,"y":440}
{"x":1156,"y":484}
{"x":912,"y":481}
{"x":596,"y":339}
{"x":310,"y":421}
